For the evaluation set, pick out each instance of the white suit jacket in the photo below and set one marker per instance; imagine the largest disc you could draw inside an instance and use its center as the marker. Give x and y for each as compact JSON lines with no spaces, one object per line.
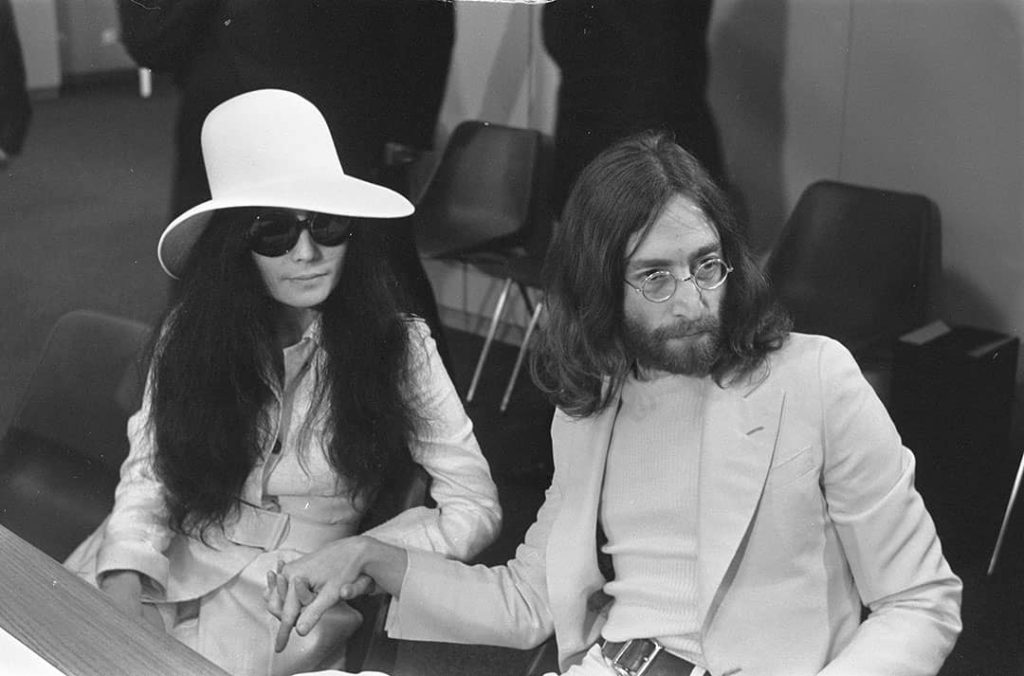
{"x":807,"y":509}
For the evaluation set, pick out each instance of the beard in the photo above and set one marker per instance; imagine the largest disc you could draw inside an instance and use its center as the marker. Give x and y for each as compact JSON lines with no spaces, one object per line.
{"x":696,"y":349}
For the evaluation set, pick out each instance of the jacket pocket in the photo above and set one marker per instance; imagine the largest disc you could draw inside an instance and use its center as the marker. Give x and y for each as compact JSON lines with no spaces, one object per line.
{"x":794,"y":466}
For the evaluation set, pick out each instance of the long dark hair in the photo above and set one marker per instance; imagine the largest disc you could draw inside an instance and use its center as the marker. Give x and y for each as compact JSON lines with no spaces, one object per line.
{"x":216,"y":363}
{"x":581,"y":360}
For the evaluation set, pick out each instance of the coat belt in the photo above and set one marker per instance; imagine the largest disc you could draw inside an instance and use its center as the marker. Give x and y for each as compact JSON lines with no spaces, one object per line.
{"x":269,"y":530}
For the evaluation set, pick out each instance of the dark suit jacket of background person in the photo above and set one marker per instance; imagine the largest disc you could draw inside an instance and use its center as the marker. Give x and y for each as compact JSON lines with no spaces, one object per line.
{"x":628,"y":67}
{"x":15,"y":109}
{"x":376,"y":70}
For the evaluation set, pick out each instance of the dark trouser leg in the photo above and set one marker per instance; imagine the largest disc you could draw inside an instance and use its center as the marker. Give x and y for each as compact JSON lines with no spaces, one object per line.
{"x":15,"y":110}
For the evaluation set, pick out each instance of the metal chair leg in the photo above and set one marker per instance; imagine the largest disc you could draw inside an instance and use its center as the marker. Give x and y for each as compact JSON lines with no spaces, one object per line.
{"x":1006,"y":517}
{"x":524,"y":291}
{"x":522,"y":353}
{"x":495,"y":318}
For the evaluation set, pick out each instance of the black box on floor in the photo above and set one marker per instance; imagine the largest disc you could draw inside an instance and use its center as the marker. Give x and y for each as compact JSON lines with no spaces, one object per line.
{"x":951,"y":400}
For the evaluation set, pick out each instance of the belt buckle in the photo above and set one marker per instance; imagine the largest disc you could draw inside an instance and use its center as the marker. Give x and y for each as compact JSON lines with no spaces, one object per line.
{"x":625,"y":664}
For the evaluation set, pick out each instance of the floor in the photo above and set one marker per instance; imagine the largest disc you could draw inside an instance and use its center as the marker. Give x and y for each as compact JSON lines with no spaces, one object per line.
{"x":80,"y":213}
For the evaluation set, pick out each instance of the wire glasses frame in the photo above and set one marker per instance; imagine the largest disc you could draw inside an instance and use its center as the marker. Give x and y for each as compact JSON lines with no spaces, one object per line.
{"x":660,"y":285}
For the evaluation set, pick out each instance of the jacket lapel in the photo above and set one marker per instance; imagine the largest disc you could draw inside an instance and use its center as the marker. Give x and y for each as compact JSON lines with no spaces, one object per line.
{"x":738,"y":443}
{"x":740,"y":429}
{"x":572,"y":570}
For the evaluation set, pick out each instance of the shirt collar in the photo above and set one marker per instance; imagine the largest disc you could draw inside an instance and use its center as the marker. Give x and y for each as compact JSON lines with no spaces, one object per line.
{"x":297,"y":356}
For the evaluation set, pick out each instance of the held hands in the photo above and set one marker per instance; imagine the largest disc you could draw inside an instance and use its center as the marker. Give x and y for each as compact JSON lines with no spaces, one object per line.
{"x":299,"y":593}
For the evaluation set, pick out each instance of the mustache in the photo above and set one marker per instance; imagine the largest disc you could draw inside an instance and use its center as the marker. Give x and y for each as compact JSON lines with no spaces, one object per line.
{"x":682,"y":329}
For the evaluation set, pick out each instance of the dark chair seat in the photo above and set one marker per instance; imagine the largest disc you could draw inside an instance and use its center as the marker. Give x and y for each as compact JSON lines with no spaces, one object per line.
{"x":370,"y":648}
{"x":50,"y":494}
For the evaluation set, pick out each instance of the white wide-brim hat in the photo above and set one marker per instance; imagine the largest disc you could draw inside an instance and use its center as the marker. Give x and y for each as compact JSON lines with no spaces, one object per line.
{"x":272,"y":148}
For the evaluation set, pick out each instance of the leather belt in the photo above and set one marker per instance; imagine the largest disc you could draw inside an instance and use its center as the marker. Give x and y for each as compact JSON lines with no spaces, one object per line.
{"x":646,"y":657}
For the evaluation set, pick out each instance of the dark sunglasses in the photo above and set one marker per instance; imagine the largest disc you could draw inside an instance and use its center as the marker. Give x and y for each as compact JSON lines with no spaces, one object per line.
{"x":275,"y":233}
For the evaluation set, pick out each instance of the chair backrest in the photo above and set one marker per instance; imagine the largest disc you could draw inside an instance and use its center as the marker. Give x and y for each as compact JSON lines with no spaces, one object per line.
{"x":60,"y":456}
{"x":858,"y":264}
{"x":483,"y":189}
{"x":88,"y":381}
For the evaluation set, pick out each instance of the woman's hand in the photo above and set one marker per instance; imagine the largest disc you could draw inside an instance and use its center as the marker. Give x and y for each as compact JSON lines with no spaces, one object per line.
{"x":124,"y":587}
{"x":299,"y":593}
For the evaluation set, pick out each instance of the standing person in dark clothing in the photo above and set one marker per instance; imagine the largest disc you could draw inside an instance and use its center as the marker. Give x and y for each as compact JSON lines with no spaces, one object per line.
{"x":627,"y":67}
{"x":377,"y":71}
{"x":15,"y":110}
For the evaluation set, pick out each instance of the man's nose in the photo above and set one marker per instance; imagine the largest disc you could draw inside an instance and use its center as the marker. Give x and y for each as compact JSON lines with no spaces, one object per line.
{"x":688,"y":299}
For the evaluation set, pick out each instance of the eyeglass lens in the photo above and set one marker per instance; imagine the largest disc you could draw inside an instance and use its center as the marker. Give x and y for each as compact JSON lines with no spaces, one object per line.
{"x":661,"y":285}
{"x":276,"y":233}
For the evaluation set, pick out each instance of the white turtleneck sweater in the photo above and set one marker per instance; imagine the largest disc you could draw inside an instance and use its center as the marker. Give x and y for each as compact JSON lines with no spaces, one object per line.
{"x":649,"y":514}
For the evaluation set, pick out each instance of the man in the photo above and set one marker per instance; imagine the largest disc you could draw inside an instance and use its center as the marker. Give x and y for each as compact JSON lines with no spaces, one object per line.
{"x":746,"y":482}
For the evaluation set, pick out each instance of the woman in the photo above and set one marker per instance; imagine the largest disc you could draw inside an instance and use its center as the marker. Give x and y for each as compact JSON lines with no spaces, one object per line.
{"x":286,"y":395}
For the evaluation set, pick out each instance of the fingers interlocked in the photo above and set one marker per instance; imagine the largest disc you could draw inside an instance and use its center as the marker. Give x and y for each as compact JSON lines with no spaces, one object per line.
{"x":297,"y":604}
{"x":299,"y":593}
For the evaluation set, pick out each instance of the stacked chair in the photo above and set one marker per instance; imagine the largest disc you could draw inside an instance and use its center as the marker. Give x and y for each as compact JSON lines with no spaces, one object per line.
{"x":481,"y":209}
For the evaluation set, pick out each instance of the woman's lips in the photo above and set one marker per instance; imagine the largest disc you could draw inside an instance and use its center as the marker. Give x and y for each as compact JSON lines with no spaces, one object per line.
{"x":306,"y":278}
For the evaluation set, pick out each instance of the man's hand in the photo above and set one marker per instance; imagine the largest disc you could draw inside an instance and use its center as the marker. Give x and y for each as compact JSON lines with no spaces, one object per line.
{"x":124,"y":587}
{"x":299,"y":593}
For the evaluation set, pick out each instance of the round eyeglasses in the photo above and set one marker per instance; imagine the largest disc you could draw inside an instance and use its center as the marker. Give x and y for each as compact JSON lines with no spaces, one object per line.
{"x":661,"y":285}
{"x":275,"y":232}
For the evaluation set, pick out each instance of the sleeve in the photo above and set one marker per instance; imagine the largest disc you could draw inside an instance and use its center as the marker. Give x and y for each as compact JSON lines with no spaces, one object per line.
{"x":467,"y":516}
{"x":136,"y":534}
{"x":886,"y":532}
{"x":444,"y":600}
{"x":163,"y":34}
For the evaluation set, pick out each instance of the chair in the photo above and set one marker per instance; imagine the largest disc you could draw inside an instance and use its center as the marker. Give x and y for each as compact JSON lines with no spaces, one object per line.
{"x":860,"y":265}
{"x":521,"y":266}
{"x":60,"y":457}
{"x":480,"y":208}
{"x":1003,"y":525}
{"x":370,"y":648}
{"x":481,"y":195}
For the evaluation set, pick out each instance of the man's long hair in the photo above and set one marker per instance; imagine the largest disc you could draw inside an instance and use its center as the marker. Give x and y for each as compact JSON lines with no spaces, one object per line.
{"x":581,"y":360}
{"x":217,"y":364}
